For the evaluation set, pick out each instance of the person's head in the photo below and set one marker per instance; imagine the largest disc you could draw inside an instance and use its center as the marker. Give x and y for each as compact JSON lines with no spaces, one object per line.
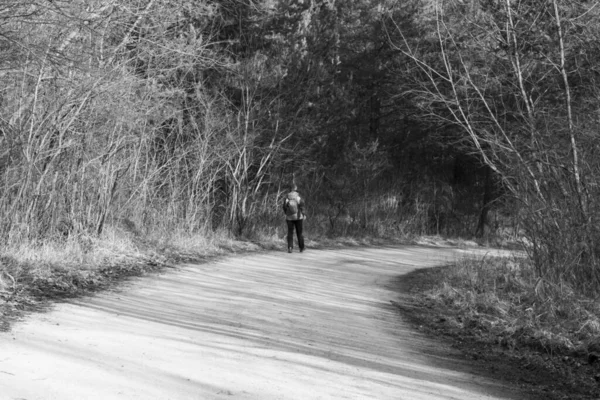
{"x":293,"y":187}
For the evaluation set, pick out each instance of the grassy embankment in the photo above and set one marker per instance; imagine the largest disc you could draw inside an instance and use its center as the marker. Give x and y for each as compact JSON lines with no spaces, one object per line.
{"x":498,"y":305}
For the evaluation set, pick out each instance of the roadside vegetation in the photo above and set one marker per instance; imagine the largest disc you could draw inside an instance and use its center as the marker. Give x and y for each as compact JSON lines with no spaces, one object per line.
{"x":500,"y":314}
{"x":505,"y":299}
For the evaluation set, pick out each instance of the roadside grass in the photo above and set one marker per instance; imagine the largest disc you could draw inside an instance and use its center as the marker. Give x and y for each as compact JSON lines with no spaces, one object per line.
{"x":495,"y":308}
{"x":502,"y":298}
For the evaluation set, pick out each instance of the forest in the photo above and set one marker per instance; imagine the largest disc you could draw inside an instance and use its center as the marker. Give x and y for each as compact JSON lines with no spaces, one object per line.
{"x":460,"y":118}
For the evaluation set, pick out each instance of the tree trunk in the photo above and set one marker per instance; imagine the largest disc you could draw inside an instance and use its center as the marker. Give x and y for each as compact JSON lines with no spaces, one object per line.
{"x":484,"y":227}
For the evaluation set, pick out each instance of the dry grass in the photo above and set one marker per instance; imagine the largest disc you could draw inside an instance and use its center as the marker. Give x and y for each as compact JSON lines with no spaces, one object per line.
{"x":502,"y":300}
{"x":31,"y":274}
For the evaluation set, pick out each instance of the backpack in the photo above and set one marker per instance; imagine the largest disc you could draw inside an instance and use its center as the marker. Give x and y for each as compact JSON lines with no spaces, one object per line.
{"x":292,"y":207}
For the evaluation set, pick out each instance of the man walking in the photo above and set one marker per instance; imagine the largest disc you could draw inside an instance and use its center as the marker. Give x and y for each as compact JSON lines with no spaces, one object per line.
{"x":293,"y":205}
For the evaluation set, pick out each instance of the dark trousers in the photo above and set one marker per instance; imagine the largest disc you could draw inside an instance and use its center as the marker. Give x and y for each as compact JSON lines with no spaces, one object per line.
{"x":290,"y":236}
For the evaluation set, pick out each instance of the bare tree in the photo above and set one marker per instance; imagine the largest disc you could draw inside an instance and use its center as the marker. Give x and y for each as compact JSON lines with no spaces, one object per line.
{"x":510,"y":91}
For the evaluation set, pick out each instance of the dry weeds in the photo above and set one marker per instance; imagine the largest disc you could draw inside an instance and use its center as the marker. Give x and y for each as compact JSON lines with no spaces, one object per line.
{"x":497,"y":310}
{"x":509,"y":304}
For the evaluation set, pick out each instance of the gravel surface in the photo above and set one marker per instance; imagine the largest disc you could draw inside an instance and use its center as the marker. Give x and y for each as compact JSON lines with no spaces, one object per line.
{"x":315,"y":325}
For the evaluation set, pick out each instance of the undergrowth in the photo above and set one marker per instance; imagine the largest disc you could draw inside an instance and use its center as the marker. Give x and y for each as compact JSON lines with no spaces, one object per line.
{"x":502,"y":300}
{"x":33,"y":273}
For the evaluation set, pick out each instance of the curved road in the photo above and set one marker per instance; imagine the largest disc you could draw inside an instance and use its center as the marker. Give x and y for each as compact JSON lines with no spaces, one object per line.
{"x":313,"y":325}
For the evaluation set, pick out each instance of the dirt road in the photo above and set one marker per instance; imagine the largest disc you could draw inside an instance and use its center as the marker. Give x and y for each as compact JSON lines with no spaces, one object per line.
{"x":316,"y":325}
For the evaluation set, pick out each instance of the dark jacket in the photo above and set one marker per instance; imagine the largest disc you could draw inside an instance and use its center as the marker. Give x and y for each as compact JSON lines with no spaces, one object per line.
{"x":300,"y":214}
